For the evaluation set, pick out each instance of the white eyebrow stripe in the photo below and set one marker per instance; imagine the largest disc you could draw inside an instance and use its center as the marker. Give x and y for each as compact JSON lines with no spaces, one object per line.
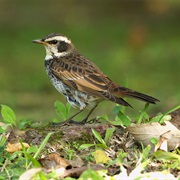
{"x":60,"y":38}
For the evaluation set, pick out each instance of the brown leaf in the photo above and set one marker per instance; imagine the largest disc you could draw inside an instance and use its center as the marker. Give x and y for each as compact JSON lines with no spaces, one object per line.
{"x":162,"y":144}
{"x":77,"y":162}
{"x":15,"y":147}
{"x":54,"y":160}
{"x":76,"y":172}
{"x":143,"y":133}
{"x":28,"y":175}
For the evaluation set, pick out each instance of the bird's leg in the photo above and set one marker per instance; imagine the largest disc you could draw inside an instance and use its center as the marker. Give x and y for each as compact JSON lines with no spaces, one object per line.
{"x":69,"y":119}
{"x":86,"y":118}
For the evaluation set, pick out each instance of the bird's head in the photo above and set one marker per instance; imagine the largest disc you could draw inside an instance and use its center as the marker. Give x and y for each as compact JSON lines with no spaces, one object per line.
{"x":56,"y":45}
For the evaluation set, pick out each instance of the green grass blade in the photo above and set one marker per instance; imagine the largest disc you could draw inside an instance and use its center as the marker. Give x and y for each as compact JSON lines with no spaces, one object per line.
{"x":124,"y":119}
{"x":143,"y":113}
{"x":98,"y":137}
{"x":3,"y":140}
{"x":108,"y":135}
{"x":168,"y":112}
{"x":85,"y":146}
{"x":43,"y":144}
{"x":41,"y":147}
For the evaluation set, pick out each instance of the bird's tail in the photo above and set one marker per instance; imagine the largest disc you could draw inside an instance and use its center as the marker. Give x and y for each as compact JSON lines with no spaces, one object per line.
{"x":140,"y":96}
{"x":121,"y":92}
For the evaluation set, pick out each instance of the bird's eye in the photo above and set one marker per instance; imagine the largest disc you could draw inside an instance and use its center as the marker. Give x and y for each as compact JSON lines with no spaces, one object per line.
{"x":53,"y":42}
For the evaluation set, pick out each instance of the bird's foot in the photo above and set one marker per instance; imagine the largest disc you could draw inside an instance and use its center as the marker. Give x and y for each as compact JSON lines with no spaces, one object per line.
{"x":64,"y":123}
{"x":68,"y":122}
{"x":90,"y":121}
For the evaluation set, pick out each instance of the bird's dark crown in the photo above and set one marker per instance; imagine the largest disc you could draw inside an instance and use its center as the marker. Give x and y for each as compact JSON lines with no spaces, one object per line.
{"x":53,"y":35}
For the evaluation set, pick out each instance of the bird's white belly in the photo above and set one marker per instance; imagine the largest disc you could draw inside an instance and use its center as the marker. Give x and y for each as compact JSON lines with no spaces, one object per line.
{"x":75,"y":98}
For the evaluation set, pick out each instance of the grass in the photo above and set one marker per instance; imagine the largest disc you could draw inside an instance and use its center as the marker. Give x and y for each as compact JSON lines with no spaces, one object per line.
{"x":101,"y":151}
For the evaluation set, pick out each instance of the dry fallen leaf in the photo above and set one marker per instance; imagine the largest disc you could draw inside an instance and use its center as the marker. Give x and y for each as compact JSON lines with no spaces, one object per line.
{"x":77,"y":162}
{"x":101,"y":157}
{"x":76,"y":172}
{"x":162,"y":144}
{"x":54,"y":160}
{"x":28,"y":175}
{"x":15,"y":147}
{"x":143,"y":133}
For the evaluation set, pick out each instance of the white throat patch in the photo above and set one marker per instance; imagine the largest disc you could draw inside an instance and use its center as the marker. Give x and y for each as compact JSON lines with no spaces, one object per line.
{"x":52,"y":51}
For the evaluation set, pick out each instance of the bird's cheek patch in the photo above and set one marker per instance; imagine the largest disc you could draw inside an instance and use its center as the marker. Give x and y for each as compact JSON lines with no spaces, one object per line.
{"x":62,"y":46}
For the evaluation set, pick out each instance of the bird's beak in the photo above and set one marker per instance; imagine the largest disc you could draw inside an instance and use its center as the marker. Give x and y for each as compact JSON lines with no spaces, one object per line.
{"x":39,"y":41}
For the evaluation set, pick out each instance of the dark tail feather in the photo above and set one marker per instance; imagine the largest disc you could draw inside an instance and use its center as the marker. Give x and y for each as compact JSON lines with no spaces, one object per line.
{"x":122,"y":102}
{"x":125,"y":92}
{"x":140,"y":96}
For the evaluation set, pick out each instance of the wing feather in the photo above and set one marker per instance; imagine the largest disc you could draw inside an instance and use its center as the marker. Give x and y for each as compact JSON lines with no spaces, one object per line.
{"x":87,"y":82}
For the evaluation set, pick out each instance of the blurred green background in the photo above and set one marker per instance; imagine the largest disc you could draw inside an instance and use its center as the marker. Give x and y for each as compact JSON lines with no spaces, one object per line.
{"x":136,"y":43}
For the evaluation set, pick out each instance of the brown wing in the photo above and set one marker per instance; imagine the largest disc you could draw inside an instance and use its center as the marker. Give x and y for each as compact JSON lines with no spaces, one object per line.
{"x":81,"y":74}
{"x":84,"y":76}
{"x":80,"y":77}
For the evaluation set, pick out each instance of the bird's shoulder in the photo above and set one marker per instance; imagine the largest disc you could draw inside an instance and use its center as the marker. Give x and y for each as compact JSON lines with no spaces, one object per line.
{"x":75,"y":63}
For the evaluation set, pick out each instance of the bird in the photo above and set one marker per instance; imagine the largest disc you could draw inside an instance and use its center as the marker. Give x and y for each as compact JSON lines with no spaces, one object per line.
{"x":80,"y":80}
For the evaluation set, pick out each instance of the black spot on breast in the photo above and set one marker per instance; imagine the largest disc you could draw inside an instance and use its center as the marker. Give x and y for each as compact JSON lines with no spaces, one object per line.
{"x":62,"y":46}
{"x":62,"y":63}
{"x":74,"y":68}
{"x":66,"y":66}
{"x":68,"y":91}
{"x":79,"y":70}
